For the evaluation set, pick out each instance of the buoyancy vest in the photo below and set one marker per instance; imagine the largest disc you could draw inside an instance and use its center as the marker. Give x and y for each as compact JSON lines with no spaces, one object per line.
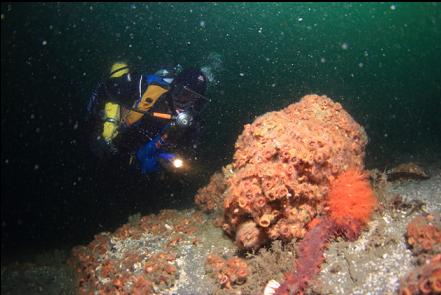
{"x":147,"y":101}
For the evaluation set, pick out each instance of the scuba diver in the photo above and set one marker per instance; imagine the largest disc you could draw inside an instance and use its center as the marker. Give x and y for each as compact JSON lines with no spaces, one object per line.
{"x":153,"y":117}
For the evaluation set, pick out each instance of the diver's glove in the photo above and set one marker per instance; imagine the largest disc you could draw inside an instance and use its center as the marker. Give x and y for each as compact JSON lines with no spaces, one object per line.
{"x":148,"y":155}
{"x":152,"y":157}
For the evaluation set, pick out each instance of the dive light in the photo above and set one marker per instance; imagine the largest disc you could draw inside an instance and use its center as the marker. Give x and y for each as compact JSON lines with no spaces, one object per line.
{"x":178,"y":163}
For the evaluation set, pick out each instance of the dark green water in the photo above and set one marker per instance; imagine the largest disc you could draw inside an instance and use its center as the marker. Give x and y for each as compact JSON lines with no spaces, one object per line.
{"x":382,"y":61}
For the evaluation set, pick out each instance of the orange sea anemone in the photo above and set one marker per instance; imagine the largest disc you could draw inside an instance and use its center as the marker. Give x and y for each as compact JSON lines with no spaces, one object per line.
{"x":351,"y":198}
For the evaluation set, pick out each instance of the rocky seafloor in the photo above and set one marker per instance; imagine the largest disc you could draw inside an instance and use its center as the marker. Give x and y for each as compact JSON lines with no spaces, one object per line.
{"x":172,"y":248}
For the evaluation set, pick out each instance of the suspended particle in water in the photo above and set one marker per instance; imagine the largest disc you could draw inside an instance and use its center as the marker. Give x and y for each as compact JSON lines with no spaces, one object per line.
{"x":241,"y":74}
{"x":393,"y":7}
{"x":322,"y":60}
{"x":202,"y":24}
{"x":260,"y":30}
{"x":344,"y":46}
{"x":360,"y":65}
{"x":300,"y":19}
{"x":44,"y":43}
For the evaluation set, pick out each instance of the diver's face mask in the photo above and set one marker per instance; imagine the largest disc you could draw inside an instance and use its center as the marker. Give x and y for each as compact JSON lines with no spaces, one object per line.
{"x":185,"y":98}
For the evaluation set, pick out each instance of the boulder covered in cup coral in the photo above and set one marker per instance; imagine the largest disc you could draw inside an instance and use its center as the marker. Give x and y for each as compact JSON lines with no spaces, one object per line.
{"x":283,"y":165}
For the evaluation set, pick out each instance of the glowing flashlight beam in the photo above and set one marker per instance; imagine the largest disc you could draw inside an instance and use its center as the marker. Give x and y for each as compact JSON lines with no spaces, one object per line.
{"x":178,"y":163}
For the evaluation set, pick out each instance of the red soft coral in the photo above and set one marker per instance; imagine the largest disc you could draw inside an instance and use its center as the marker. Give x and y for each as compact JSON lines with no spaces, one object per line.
{"x":351,"y":200}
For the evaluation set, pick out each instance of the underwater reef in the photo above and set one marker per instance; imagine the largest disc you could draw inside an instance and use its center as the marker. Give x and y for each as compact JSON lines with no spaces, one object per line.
{"x":296,"y":190}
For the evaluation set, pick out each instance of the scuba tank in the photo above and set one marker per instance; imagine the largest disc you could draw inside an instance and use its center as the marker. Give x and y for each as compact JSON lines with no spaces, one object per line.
{"x":112,"y":111}
{"x":111,"y":121}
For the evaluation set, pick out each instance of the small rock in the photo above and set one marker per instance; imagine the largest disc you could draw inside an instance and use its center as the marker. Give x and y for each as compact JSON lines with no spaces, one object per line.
{"x":407,"y":171}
